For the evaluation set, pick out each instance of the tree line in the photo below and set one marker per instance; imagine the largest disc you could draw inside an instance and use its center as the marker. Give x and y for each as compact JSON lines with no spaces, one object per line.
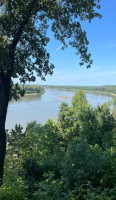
{"x":111,"y":89}
{"x":33,"y":89}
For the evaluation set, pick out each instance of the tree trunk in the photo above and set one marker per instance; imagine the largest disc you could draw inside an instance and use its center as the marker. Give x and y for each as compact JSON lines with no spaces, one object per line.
{"x":2,"y":153}
{"x":4,"y":95}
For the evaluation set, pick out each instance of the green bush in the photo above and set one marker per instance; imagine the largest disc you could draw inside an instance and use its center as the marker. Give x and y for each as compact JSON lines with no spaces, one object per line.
{"x":13,"y":189}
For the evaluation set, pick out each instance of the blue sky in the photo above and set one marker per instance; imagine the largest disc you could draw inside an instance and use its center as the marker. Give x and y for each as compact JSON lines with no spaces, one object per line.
{"x":102,"y":37}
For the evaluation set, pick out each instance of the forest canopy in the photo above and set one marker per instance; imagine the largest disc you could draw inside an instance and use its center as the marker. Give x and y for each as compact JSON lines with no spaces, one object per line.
{"x":73,"y":158}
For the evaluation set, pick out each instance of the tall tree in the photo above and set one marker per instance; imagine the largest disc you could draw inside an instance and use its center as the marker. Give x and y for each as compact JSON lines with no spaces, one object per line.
{"x":23,"y":40}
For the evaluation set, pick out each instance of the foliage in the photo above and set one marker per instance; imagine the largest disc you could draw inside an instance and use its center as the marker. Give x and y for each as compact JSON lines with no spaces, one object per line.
{"x":72,"y":159}
{"x":23,"y":35}
{"x":15,"y":191}
{"x":32,"y":89}
{"x":106,"y":89}
{"x":19,"y":90}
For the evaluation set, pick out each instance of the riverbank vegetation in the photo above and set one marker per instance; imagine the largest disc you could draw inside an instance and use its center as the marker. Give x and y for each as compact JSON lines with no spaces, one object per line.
{"x":108,"y":89}
{"x":32,"y":89}
{"x":71,"y":159}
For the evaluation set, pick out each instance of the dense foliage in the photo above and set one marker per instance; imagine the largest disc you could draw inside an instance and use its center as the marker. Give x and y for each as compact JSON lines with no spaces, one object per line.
{"x":111,"y":89}
{"x":20,"y":90}
{"x":71,"y":159}
{"x":33,"y":89}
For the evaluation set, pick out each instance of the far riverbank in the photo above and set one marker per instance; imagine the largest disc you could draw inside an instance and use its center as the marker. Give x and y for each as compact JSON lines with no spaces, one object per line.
{"x":109,"y":90}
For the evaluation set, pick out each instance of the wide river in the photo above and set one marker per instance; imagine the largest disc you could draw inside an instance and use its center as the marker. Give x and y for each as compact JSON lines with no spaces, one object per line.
{"x":43,"y":107}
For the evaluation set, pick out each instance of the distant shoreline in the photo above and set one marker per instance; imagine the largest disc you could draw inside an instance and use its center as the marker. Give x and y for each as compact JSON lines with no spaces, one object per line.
{"x":104,"y":90}
{"x":98,"y":92}
{"x":34,"y":94}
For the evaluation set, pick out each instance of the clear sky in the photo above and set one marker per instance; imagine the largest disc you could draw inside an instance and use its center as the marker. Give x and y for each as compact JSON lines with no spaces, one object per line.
{"x":102,"y":37}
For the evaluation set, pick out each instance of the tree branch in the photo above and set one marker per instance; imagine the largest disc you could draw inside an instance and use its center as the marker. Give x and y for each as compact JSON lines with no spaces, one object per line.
{"x":17,"y":37}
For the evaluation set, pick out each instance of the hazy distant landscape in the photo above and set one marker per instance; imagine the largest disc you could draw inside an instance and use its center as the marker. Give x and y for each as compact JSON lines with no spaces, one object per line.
{"x":36,"y":89}
{"x":108,"y":89}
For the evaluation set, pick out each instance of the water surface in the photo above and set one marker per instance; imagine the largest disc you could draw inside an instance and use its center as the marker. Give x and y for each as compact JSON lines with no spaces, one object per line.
{"x":43,"y":107}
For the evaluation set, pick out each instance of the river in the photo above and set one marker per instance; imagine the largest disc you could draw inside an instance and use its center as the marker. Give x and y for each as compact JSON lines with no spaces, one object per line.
{"x":43,"y":107}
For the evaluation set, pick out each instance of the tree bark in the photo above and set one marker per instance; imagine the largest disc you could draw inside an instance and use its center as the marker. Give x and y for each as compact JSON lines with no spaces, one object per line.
{"x":4,"y":97}
{"x":2,"y":153}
